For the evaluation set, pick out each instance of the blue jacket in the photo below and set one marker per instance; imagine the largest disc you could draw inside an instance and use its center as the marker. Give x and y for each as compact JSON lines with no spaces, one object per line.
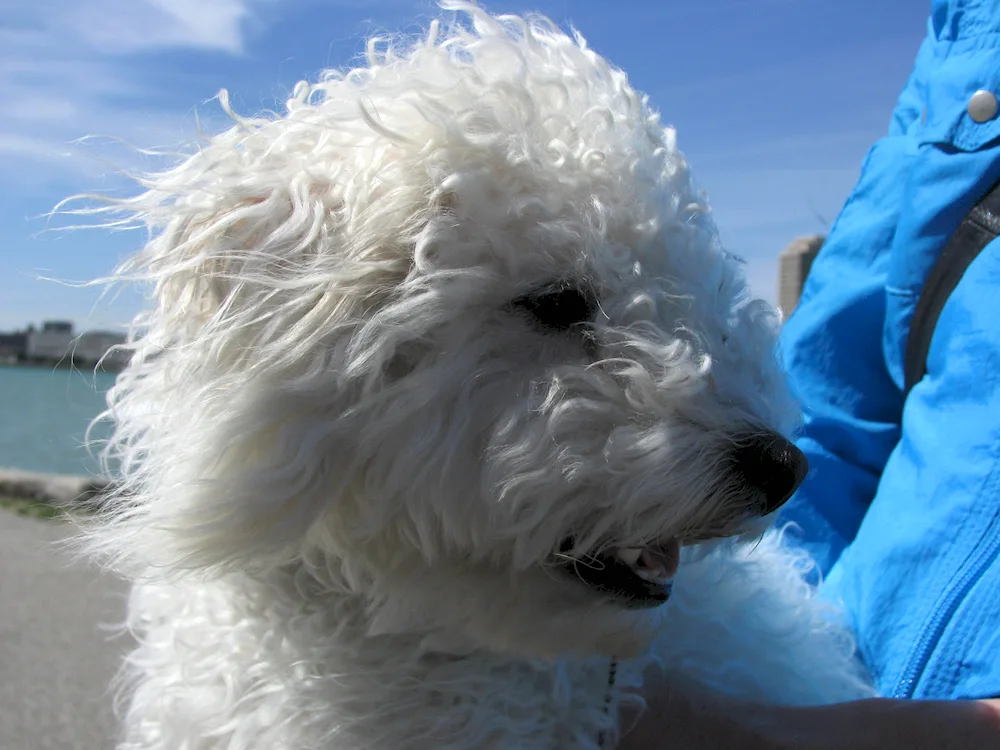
{"x":902,"y":503}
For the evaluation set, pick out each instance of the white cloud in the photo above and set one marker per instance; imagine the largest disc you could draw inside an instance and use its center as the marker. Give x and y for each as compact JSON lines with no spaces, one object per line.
{"x":17,"y":144}
{"x":65,"y":74}
{"x":131,"y":25}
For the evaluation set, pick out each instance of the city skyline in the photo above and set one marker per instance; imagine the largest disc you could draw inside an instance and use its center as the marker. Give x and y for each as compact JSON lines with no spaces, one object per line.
{"x":57,"y":342}
{"x":40,"y":324}
{"x":775,"y":102}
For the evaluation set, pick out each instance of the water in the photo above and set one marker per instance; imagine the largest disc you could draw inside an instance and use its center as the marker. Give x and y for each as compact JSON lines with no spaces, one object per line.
{"x":44,"y":415}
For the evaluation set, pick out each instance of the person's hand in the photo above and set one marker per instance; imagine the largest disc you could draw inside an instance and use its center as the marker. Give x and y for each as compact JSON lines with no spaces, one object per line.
{"x":683,"y":718}
{"x":680,"y":716}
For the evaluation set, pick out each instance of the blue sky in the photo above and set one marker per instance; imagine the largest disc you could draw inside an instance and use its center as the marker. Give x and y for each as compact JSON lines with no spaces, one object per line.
{"x":775,"y":102}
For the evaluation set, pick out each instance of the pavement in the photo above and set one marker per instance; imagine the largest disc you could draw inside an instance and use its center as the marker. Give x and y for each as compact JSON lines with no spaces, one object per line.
{"x":56,"y":659}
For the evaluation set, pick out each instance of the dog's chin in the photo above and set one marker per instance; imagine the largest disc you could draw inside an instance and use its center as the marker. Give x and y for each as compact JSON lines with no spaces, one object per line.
{"x":546,"y":623}
{"x":539,"y":613}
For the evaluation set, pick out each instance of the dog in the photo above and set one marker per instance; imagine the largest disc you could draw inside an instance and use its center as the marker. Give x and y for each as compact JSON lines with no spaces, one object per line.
{"x":449,"y":419}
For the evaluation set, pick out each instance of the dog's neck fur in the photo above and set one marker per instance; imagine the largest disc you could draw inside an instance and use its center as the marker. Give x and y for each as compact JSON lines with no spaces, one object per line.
{"x":308,"y":672}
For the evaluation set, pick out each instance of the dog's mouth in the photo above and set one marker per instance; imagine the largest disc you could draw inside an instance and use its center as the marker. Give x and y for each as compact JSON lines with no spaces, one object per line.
{"x":637,"y":577}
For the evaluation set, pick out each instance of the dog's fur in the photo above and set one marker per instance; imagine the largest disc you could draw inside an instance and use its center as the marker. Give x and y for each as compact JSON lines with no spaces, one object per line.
{"x":349,"y":458}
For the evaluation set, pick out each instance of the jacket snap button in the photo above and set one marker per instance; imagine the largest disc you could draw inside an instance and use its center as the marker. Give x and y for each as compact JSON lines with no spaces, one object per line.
{"x":982,"y":106}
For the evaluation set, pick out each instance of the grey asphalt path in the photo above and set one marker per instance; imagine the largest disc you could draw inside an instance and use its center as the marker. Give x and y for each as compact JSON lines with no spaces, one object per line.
{"x":56,"y":662}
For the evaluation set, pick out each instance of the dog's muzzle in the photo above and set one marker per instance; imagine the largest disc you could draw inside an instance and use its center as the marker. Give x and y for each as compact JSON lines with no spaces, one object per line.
{"x":765,"y":468}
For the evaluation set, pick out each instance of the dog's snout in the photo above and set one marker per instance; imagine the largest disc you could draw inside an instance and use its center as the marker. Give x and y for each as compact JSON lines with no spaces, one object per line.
{"x":772,"y":466}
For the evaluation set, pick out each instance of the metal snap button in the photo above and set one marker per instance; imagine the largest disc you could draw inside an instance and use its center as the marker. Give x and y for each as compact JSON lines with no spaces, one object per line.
{"x":982,"y":106}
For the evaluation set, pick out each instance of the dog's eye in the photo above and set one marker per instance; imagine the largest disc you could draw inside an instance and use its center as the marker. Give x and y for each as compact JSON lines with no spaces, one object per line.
{"x":557,"y":309}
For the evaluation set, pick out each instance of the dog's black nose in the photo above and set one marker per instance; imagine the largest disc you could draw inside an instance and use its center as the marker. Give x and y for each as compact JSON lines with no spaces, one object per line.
{"x":771,"y":465}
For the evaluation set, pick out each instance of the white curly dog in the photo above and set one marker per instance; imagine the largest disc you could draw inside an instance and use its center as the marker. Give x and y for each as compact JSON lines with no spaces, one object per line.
{"x":449,"y":418}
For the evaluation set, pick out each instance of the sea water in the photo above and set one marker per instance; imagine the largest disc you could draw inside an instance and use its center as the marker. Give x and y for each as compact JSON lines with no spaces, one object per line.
{"x":44,"y":414}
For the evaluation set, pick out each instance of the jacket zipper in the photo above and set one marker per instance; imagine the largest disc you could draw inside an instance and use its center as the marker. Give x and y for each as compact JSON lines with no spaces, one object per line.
{"x":953,"y":597}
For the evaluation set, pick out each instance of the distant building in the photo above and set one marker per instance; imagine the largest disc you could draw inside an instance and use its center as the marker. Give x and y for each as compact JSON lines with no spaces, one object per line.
{"x":91,"y":346}
{"x":793,"y":268}
{"x":13,"y":346}
{"x":56,"y":344}
{"x":52,"y":341}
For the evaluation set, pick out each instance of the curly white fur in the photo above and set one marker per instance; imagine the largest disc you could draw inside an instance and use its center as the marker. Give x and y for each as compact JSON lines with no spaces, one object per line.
{"x":348,"y":463}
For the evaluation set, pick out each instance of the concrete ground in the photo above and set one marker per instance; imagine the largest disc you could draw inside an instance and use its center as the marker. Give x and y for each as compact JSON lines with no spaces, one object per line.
{"x":56,"y":661}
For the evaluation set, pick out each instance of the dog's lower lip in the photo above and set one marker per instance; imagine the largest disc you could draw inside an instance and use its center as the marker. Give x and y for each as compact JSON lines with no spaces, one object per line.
{"x":638,"y":577}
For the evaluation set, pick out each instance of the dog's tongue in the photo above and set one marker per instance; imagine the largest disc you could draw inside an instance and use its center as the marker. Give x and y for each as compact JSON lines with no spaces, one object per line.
{"x":655,"y":563}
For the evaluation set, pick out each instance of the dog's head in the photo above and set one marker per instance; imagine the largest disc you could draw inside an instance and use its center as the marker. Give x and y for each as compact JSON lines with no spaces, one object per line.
{"x":457,"y":327}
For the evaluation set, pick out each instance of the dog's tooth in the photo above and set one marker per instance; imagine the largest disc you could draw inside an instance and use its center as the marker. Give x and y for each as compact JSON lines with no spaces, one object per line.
{"x":630,"y":555}
{"x":653,"y":577}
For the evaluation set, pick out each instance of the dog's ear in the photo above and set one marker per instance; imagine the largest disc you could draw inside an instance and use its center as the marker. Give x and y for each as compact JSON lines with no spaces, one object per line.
{"x":260,"y":262}
{"x":234,"y":419}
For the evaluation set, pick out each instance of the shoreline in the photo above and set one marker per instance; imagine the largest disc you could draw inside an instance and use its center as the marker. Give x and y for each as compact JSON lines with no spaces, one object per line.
{"x":60,"y":490}
{"x":49,"y":365}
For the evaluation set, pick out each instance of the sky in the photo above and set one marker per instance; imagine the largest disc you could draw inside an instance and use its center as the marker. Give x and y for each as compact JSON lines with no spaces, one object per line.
{"x":775,"y":104}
